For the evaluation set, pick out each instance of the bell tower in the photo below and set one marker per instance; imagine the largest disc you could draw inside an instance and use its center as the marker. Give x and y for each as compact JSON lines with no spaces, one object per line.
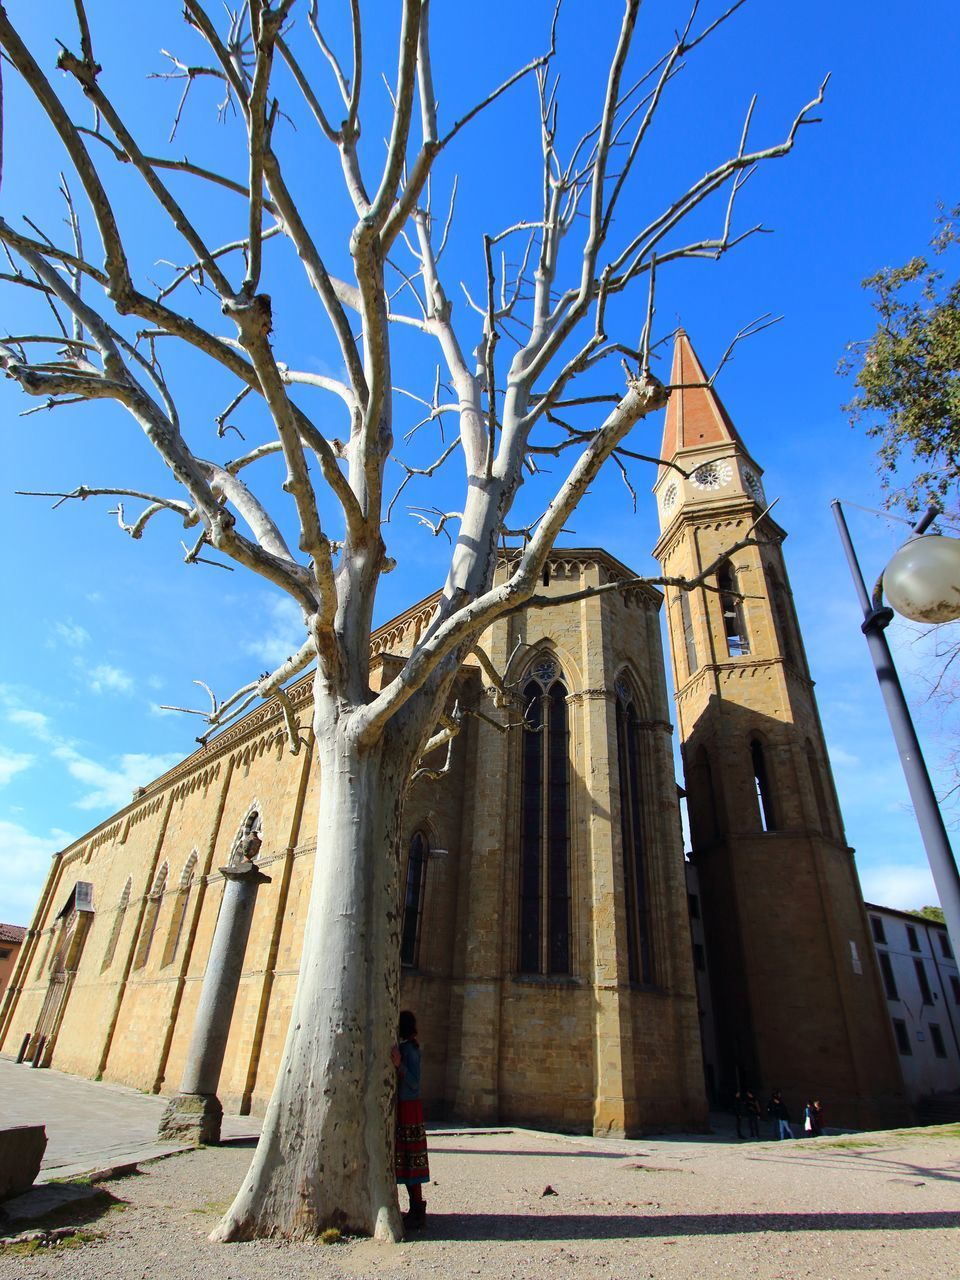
{"x":797,"y":998}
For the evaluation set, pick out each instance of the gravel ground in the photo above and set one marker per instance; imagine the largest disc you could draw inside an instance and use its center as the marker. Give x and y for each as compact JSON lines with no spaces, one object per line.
{"x":872,"y":1205}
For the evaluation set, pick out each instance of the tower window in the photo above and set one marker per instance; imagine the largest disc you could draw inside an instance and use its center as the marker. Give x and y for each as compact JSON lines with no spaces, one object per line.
{"x":820,"y":795}
{"x":413,"y":894}
{"x":545,"y":827}
{"x":731,"y":609}
{"x":636,"y":898}
{"x":761,"y":780}
{"x":782,"y":615}
{"x":689,"y":643}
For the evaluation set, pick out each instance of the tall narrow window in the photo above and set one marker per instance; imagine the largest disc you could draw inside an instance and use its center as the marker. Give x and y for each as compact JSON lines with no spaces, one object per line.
{"x":903,"y":1038}
{"x":945,"y":946}
{"x":413,"y":892}
{"x":820,"y":795}
{"x":544,"y":932}
{"x":879,"y":933}
{"x":148,"y":928}
{"x":761,"y":780}
{"x":117,"y":926}
{"x":636,"y":897}
{"x":889,"y":981}
{"x":782,"y":616}
{"x":702,"y":801}
{"x":689,"y":644}
{"x":179,"y":910}
{"x":926,"y":995}
{"x":731,"y":609}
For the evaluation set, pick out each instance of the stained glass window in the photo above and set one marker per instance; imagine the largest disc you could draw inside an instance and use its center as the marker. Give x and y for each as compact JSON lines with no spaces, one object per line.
{"x":544,"y":916}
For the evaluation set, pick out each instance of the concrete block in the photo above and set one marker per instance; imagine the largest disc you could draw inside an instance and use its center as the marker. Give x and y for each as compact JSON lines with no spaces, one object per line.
{"x":21,"y":1150}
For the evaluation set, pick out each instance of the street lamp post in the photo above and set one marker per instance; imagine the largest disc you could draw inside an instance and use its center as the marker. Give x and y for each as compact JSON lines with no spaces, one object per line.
{"x":876,"y":617}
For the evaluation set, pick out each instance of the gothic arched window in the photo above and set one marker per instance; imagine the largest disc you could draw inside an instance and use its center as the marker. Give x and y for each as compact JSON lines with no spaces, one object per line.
{"x":179,"y":910}
{"x":415,"y":884}
{"x":117,"y":926}
{"x":702,"y":801}
{"x":148,"y":928}
{"x":636,"y":896}
{"x":782,"y":613}
{"x":761,"y":781}
{"x":819,"y":792}
{"x":689,"y":643}
{"x":545,"y":825}
{"x":731,"y":609}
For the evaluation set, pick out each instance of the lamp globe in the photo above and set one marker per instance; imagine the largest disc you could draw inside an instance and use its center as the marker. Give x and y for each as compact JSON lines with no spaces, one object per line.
{"x":922,"y":580}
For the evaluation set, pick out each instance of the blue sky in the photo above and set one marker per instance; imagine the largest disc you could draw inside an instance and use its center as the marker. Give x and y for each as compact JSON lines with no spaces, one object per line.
{"x":100,"y":630}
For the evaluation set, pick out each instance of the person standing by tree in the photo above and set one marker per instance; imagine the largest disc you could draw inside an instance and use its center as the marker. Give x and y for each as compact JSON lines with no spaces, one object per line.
{"x":752,"y":1107}
{"x":777,"y":1110}
{"x":413,"y":1168}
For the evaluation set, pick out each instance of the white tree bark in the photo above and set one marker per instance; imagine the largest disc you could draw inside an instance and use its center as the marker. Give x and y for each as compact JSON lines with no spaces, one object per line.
{"x":324,"y":1157}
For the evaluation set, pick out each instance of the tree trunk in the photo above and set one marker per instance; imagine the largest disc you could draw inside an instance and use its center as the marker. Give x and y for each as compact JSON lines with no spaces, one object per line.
{"x":325,"y":1156}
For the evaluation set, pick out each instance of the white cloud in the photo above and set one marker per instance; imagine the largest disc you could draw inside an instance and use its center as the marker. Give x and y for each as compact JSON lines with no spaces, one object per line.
{"x":26,"y":861}
{"x":72,"y":634}
{"x":281,"y":632}
{"x":896,"y":885}
{"x":35,"y":722}
{"x":107,"y":679}
{"x":11,"y":763}
{"x":111,"y":788}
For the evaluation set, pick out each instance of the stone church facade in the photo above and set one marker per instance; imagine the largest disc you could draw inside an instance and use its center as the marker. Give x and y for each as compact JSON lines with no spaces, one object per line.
{"x":545,"y":940}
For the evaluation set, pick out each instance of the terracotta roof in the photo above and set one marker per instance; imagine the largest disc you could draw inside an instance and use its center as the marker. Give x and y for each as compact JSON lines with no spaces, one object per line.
{"x":12,"y":933}
{"x":695,"y":414}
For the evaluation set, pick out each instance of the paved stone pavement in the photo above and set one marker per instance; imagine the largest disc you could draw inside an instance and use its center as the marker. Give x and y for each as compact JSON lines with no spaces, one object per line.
{"x":91,"y":1125}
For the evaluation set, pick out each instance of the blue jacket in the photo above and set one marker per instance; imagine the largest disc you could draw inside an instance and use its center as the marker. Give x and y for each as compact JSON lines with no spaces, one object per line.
{"x":409,"y":1071}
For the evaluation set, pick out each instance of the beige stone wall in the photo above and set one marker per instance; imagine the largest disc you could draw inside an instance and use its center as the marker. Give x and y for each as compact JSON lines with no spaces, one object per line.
{"x":587,"y":1050}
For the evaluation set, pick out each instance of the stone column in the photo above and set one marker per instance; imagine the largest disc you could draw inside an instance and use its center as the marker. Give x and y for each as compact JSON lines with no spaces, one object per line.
{"x":195,"y":1113}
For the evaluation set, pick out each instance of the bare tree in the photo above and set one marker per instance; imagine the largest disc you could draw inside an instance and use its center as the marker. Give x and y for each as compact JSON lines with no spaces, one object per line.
{"x":540,"y":350}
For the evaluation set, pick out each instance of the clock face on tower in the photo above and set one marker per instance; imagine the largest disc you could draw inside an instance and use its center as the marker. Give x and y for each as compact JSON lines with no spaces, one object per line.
{"x":712,"y":475}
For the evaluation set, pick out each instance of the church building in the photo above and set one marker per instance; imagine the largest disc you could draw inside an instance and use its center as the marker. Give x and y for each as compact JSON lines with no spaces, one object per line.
{"x":546,"y":941}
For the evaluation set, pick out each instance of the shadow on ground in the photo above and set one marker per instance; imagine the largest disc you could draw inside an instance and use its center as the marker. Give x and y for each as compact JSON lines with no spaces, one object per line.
{"x":57,"y":1205}
{"x":568,"y":1226}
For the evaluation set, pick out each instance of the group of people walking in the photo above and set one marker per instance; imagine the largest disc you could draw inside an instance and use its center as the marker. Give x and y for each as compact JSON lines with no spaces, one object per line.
{"x":746,"y":1106}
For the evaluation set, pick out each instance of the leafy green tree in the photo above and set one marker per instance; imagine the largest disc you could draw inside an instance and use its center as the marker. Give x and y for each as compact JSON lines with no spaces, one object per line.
{"x":930,"y":913}
{"x":908,"y":375}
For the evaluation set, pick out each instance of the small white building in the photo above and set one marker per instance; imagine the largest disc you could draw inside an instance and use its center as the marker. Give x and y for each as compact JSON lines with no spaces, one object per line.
{"x":922,"y":984}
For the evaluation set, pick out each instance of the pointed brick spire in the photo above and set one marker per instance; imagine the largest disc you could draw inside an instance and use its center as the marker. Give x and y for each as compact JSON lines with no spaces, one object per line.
{"x":695,"y":415}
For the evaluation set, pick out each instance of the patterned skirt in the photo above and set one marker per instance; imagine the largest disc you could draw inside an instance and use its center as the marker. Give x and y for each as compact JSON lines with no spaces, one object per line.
{"x":412,"y":1165}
